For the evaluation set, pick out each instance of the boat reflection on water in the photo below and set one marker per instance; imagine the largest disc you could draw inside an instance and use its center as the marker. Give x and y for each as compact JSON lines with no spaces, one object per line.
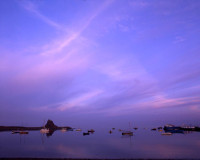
{"x":167,"y":133}
{"x":86,"y":133}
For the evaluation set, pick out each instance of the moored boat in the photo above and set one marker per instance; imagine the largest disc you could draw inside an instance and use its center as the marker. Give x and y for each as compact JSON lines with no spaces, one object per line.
{"x":190,"y":128}
{"x":154,"y":129}
{"x":23,"y":132}
{"x":63,"y":130}
{"x":15,"y":132}
{"x":171,"y":127}
{"x":91,"y":130}
{"x":129,"y":133}
{"x":44,"y":130}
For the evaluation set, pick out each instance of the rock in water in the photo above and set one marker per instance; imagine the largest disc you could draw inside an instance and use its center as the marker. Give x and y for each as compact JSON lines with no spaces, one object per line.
{"x":50,"y":125}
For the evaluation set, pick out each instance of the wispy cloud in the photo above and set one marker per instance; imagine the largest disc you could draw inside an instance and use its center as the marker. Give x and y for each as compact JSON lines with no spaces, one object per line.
{"x":161,"y":101}
{"x":124,"y":69}
{"x":59,"y":44}
{"x":81,"y":100}
{"x":139,"y":3}
{"x":179,"y":39}
{"x":32,"y":7}
{"x":50,"y":72}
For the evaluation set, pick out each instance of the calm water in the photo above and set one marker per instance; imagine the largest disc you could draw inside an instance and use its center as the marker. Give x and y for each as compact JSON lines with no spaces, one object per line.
{"x":72,"y":144}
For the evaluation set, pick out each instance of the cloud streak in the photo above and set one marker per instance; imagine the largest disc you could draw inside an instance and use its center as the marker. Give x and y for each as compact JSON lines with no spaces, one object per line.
{"x":31,"y":7}
{"x":60,"y":44}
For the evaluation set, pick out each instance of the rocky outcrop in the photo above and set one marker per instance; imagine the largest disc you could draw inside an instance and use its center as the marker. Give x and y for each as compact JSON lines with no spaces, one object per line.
{"x":50,"y":125}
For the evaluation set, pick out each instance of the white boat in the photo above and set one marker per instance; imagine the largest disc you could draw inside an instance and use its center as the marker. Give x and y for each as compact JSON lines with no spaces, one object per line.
{"x":15,"y":132}
{"x":78,"y":129}
{"x":44,"y":130}
{"x":63,"y":130}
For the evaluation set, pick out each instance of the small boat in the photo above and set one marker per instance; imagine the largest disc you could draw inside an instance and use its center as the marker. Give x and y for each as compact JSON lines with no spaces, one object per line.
{"x":44,"y":130}
{"x":127,"y":133}
{"x":167,"y":133}
{"x":15,"y":132}
{"x":135,"y":128}
{"x":63,"y":130}
{"x":110,"y":131}
{"x":91,"y":130}
{"x":23,"y":132}
{"x":86,"y":133}
{"x":120,"y":130}
{"x":78,"y":129}
{"x":170,"y":127}
{"x":153,"y":129}
{"x":190,"y":128}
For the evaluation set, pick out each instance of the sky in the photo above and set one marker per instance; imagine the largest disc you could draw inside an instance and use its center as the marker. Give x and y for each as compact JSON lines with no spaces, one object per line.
{"x":102,"y":62}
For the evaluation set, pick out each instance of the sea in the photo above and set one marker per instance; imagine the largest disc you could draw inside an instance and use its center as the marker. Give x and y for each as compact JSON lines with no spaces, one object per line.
{"x":144,"y":144}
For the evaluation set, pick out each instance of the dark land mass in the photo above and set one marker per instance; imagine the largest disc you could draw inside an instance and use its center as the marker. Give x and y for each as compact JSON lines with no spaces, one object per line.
{"x":49,"y":125}
{"x":87,"y":159}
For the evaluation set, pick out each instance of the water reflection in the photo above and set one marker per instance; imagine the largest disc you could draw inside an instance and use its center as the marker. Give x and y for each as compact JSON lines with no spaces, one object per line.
{"x":144,"y":143}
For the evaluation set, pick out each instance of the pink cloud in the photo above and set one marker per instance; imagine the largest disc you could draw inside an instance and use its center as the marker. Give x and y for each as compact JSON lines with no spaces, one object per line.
{"x":161,"y":101}
{"x":31,"y":7}
{"x":81,"y":100}
{"x":49,"y":68}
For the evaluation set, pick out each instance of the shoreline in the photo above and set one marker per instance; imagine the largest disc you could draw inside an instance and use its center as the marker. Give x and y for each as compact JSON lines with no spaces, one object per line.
{"x":95,"y":159}
{"x":11,"y":128}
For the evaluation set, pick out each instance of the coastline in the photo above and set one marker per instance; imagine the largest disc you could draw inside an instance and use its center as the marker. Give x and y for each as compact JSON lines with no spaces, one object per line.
{"x":92,"y":159}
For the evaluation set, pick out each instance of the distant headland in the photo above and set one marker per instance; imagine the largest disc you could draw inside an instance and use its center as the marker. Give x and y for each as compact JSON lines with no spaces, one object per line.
{"x":49,"y":125}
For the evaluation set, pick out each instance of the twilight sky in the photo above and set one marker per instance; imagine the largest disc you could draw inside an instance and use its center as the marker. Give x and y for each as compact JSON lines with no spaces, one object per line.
{"x":112,"y":61}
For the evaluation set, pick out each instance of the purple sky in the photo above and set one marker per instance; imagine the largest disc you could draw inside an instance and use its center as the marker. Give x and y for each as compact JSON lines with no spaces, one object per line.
{"x":113,"y":61}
